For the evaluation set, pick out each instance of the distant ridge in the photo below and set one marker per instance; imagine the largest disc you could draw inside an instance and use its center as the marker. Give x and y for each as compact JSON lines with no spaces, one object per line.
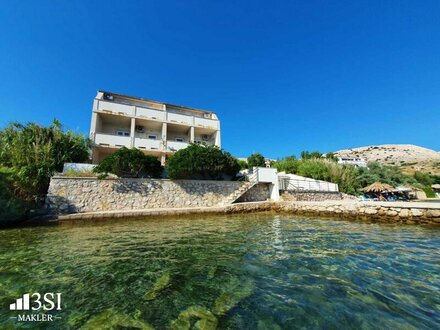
{"x":407,"y":156}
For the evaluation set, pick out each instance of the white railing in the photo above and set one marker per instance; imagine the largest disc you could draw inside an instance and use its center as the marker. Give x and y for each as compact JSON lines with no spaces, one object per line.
{"x":150,"y":113}
{"x":175,"y":145}
{"x":112,"y":140}
{"x":203,"y":122}
{"x":286,"y":183}
{"x":116,"y":108}
{"x":148,"y":144}
{"x":180,"y":119}
{"x":252,"y":175}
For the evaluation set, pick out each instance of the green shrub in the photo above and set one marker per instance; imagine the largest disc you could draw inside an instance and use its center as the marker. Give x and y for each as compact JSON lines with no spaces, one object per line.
{"x":129,"y":163}
{"x":424,"y":178}
{"x":34,"y":153}
{"x":243,"y":164}
{"x":12,"y":208}
{"x":202,"y":162}
{"x":430,"y":193}
{"x":256,"y":160}
{"x":289,"y":165}
{"x":79,"y":174}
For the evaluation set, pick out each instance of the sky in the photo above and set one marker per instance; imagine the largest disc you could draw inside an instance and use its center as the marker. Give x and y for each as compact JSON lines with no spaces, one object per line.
{"x":283,"y":76}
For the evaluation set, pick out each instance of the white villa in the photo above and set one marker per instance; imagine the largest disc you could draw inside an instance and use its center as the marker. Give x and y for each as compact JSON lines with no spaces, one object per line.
{"x":356,"y":161}
{"x":156,"y":128}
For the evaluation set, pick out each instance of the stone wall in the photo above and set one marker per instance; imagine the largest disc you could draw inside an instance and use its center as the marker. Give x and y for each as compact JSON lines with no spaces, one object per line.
{"x":405,"y":212}
{"x":71,"y":195}
{"x":310,"y":195}
{"x":258,"y":193}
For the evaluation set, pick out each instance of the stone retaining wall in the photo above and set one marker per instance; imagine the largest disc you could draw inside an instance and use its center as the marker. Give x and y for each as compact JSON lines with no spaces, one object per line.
{"x":71,"y":195}
{"x":390,"y":211}
{"x":258,"y":193}
{"x":288,"y":195}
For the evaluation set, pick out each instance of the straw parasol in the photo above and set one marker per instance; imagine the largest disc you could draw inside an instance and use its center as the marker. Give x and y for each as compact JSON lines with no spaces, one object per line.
{"x":377,"y":187}
{"x":436,"y":186}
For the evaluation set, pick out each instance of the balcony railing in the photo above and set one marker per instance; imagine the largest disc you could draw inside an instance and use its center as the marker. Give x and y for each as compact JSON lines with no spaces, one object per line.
{"x":203,"y":122}
{"x":180,"y":119}
{"x":291,"y":184}
{"x":150,"y":113}
{"x":112,"y":140}
{"x":132,"y":110}
{"x":150,"y":144}
{"x":174,"y":145}
{"x":116,"y":108}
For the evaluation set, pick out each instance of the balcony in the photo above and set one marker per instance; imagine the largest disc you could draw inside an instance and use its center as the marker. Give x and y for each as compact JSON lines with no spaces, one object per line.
{"x":112,"y":140}
{"x":175,"y":145}
{"x":117,"y":108}
{"x":149,"y":144}
{"x":180,"y":119}
{"x":150,"y":113}
{"x":208,"y":123}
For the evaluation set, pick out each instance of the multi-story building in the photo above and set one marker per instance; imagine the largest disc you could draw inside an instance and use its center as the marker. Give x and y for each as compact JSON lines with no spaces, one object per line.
{"x":156,"y":128}
{"x":355,"y":161}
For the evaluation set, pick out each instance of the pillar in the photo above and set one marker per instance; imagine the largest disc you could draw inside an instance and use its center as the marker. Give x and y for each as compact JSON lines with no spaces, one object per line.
{"x":132,"y":130}
{"x":191,"y":134}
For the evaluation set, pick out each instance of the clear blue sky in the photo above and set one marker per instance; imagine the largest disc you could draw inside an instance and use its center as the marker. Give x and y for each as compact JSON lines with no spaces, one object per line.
{"x":282,"y":76}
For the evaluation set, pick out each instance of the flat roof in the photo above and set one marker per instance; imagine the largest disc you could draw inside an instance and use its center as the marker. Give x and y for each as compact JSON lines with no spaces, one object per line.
{"x":153,"y":101}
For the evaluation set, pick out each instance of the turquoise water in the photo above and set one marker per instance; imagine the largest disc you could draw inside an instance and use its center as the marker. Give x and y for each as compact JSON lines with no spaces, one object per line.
{"x":261,"y":271}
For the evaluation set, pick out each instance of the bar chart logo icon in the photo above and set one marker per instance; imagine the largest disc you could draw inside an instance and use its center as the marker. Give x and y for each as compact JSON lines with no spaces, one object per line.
{"x":21,"y":304}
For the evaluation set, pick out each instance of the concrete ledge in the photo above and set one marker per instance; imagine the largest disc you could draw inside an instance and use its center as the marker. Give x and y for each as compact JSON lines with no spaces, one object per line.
{"x":233,"y":208}
{"x":393,"y":212}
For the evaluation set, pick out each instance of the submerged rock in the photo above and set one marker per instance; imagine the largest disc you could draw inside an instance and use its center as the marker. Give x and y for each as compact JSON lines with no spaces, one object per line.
{"x":162,"y":283}
{"x":111,"y":319}
{"x":232,"y":297}
{"x":207,"y":320}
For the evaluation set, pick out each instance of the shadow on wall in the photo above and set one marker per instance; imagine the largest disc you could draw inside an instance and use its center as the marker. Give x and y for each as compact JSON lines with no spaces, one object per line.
{"x":59,"y":205}
{"x":143,"y":186}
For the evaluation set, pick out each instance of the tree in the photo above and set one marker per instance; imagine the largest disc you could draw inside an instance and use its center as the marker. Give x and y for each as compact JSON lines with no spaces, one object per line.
{"x":310,"y":155}
{"x":256,"y":160}
{"x":424,"y":179}
{"x":288,"y":164}
{"x":202,"y":162}
{"x":34,"y":153}
{"x":130,"y":163}
{"x":243,"y":164}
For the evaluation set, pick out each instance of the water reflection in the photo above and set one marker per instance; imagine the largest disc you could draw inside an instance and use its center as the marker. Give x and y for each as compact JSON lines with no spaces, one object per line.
{"x":238,"y":272}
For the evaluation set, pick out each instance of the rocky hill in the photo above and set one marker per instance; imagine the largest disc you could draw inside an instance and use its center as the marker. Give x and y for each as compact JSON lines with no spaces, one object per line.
{"x":409,"y":157}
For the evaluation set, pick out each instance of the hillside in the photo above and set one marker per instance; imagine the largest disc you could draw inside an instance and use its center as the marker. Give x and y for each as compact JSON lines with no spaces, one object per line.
{"x":409,"y":157}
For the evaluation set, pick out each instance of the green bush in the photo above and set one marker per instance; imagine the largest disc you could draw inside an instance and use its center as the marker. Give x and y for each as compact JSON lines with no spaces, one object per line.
{"x":424,"y":178}
{"x":256,"y":160}
{"x":289,"y":165}
{"x":202,"y":162}
{"x":130,"y":163}
{"x":430,"y":193}
{"x":34,"y":153}
{"x":243,"y":164}
{"x":11,"y":207}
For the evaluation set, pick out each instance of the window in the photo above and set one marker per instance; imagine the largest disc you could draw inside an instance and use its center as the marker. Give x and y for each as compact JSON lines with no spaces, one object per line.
{"x":180,"y":140}
{"x":122,"y":133}
{"x":152,"y":137}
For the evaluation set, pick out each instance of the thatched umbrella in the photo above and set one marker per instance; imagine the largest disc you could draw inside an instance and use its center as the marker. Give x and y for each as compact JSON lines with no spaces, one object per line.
{"x":377,"y":187}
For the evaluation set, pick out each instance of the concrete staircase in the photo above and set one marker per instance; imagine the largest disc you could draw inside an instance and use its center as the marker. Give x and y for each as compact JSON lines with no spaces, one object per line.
{"x":239,"y":192}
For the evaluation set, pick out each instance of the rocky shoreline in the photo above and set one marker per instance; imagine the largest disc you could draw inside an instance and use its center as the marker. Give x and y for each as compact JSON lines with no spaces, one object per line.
{"x":392,"y":212}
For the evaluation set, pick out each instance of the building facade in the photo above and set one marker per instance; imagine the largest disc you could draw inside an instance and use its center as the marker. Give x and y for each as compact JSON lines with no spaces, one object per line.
{"x":355,"y":161}
{"x":156,"y":128}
